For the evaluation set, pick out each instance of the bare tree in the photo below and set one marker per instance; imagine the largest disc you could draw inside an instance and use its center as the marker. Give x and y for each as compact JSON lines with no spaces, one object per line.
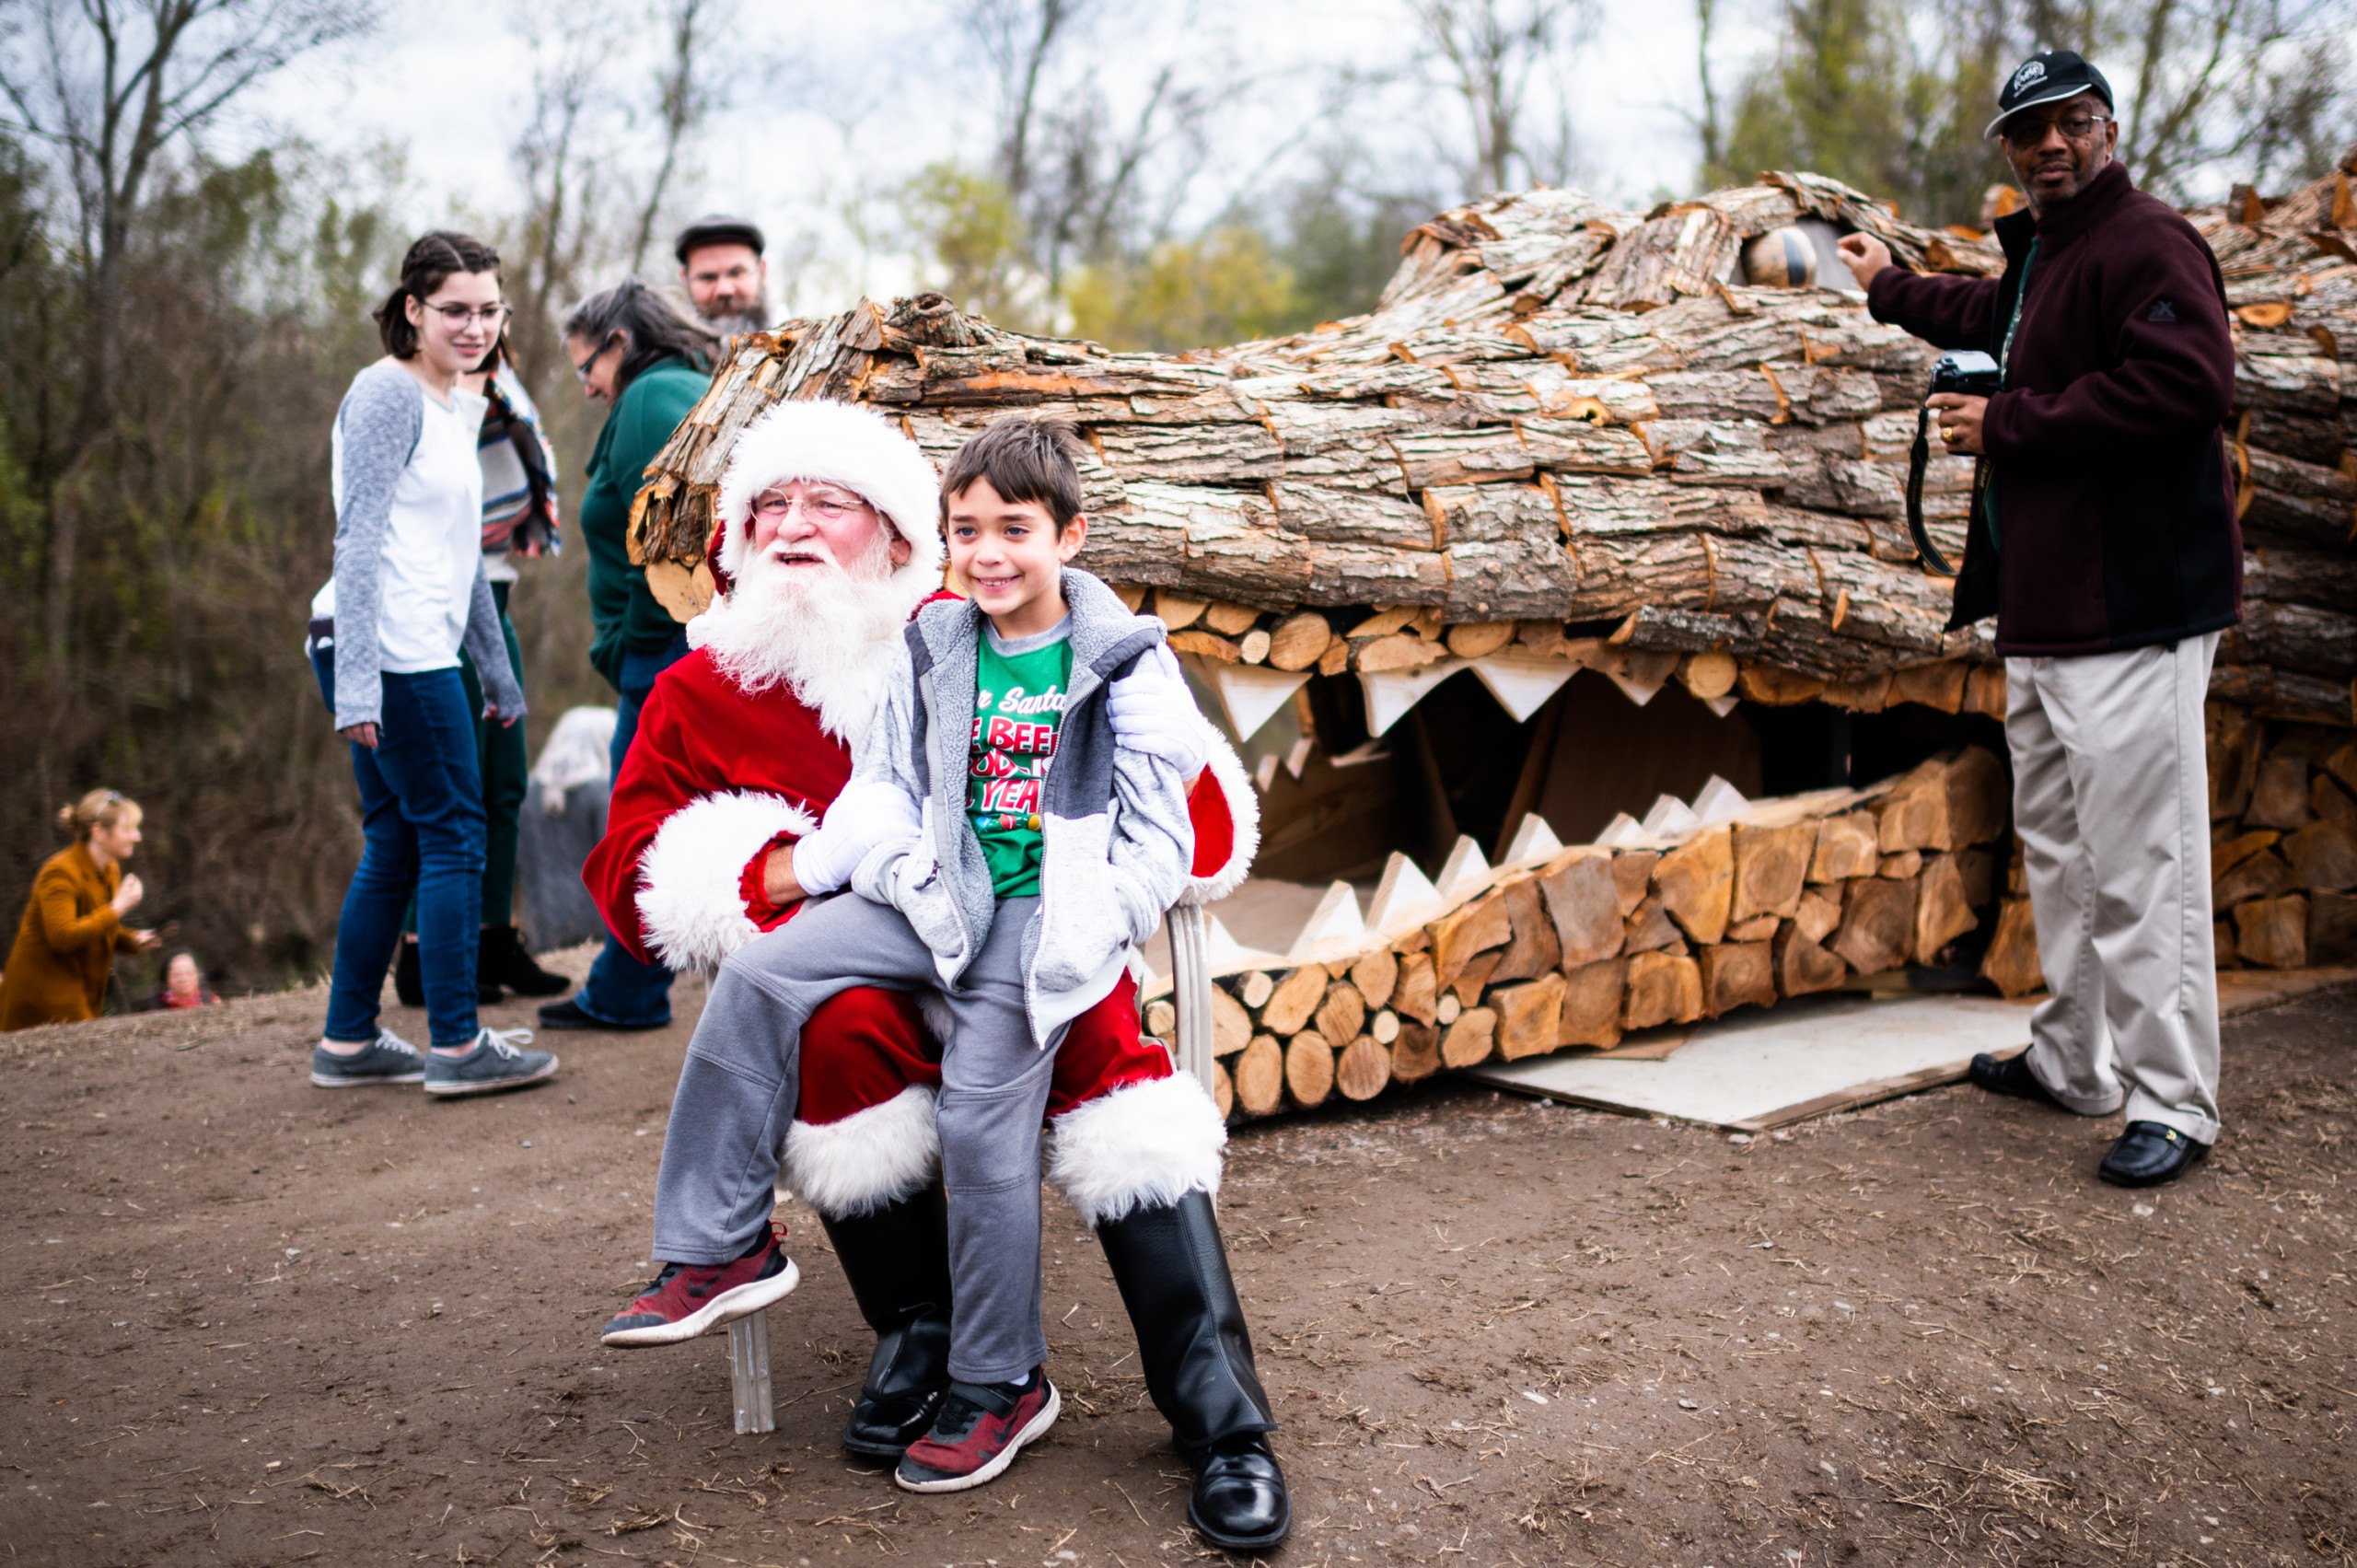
{"x":110,"y":88}
{"x":1490,"y":51}
{"x":683,"y":97}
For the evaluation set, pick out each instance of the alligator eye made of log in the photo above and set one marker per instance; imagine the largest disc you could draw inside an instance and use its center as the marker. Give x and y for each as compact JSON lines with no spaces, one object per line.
{"x":1781,"y":257}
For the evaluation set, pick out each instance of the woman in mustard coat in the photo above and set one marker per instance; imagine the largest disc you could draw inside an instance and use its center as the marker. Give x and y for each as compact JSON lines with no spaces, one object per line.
{"x":73,"y":925}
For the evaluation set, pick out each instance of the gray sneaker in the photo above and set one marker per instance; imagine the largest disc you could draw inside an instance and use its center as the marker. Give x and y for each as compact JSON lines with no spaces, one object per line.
{"x":387,"y":1058}
{"x":494,"y":1063}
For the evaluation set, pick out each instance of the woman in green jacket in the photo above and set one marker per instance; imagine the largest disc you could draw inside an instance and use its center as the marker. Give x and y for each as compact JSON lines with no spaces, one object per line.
{"x":636,"y":353}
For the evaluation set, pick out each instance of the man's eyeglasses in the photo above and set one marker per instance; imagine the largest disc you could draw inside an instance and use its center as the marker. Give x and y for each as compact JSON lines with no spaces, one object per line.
{"x":821,"y":508}
{"x":456,"y":316}
{"x":2076,"y":128}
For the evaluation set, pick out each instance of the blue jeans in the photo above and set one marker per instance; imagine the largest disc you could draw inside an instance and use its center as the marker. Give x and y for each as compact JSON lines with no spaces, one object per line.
{"x":422,"y":828}
{"x":621,"y":990}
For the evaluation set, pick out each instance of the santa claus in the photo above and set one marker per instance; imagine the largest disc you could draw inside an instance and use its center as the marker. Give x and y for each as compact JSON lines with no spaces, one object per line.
{"x":741,"y":748}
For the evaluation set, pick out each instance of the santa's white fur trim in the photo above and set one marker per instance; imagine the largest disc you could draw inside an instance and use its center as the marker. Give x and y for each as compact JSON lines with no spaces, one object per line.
{"x":1142,"y":1146}
{"x":837,"y":444}
{"x":1244,"y":806}
{"x":690,"y":897}
{"x":868,"y":1159}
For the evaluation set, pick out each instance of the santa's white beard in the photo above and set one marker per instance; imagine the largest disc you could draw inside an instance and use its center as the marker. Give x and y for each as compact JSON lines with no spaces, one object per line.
{"x":821,"y":628}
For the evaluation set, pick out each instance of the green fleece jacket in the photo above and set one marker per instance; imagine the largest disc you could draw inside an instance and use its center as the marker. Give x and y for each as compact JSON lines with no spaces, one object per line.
{"x":626,"y":615}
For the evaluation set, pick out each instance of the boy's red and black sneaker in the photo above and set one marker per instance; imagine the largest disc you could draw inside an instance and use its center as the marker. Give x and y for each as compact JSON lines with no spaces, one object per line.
{"x":980,"y":1429}
{"x":688,"y":1299}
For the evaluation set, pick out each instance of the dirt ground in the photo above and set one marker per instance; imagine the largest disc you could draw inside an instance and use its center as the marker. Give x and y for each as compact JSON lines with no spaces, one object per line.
{"x":263,"y":1323}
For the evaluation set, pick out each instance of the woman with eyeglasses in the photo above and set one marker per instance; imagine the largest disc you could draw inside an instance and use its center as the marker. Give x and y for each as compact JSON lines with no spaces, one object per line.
{"x":408,"y":593}
{"x":636,"y":353}
{"x":74,"y":921}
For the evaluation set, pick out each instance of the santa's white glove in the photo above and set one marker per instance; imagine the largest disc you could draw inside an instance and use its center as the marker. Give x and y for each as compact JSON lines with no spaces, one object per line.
{"x":1153,"y":712}
{"x":867,"y":813}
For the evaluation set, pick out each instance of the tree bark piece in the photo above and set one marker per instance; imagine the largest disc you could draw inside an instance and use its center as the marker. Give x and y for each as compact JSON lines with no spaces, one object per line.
{"x":1341,"y":1015}
{"x":1415,"y":1055}
{"x":1737,"y":973}
{"x":1471,"y":1040}
{"x":1299,"y":641}
{"x":1847,"y":846}
{"x":2273,"y":933}
{"x":1877,"y":925}
{"x":1416,"y":996}
{"x":2010,"y":964}
{"x":1231,"y":1025}
{"x":1363,"y":1069}
{"x":1375,"y":974}
{"x":1650,"y":930}
{"x":1591,"y":1005}
{"x":2323,"y":857}
{"x":1771,"y":869}
{"x":2261,"y":875}
{"x":1309,"y":1068}
{"x":1632,"y":876}
{"x":1532,"y":949}
{"x":1803,"y":967}
{"x":1662,"y":990}
{"x":1530,"y":1016}
{"x":1943,"y":913}
{"x":1817,"y":917}
{"x":1480,"y":925}
{"x":1294,"y":999}
{"x":1584,"y":902}
{"x":1260,"y":1076}
{"x":1696,"y":883}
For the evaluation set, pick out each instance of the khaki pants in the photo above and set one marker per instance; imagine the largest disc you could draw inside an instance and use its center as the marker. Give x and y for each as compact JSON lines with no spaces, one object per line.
{"x":2111,"y":798}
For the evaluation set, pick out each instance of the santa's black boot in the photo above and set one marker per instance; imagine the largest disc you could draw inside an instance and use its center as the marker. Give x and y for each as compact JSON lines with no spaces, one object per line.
{"x":1197,"y":1355}
{"x":897,"y":1260}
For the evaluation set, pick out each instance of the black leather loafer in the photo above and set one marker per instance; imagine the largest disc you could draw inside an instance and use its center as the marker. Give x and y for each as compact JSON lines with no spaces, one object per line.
{"x":2148,"y":1153}
{"x":2012,"y":1076}
{"x":567,"y":1014}
{"x":1239,"y":1502}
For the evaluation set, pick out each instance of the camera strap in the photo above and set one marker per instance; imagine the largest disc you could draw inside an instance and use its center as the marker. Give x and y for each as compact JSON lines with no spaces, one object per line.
{"x":1918,"y":458}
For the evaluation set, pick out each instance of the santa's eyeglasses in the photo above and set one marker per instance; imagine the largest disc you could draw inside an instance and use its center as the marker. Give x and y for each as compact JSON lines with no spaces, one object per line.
{"x":818,"y":508}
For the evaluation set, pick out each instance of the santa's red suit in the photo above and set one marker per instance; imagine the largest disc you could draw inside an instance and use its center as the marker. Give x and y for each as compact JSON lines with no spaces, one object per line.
{"x":724,"y":769}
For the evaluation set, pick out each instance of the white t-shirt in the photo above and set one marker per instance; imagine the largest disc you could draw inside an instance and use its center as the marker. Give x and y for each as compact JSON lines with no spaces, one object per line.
{"x":432,"y":539}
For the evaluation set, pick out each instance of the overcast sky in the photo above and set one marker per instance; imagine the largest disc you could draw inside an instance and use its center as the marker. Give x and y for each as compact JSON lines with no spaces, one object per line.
{"x":832,"y":106}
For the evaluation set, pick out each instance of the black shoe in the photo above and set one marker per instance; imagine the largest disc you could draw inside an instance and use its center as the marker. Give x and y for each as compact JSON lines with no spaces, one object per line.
{"x":2148,"y":1153}
{"x":502,"y":960}
{"x":1239,"y":1502}
{"x":408,"y":979}
{"x":567,"y":1014}
{"x":1197,"y":1357}
{"x":896,"y":1263}
{"x":2012,"y":1076}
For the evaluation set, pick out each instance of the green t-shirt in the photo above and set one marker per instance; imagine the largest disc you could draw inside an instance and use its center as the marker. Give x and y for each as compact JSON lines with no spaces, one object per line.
{"x":1018,"y":706}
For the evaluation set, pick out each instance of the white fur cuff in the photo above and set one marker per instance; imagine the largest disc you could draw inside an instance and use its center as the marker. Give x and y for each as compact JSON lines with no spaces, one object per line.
{"x":1143,"y":1146}
{"x":867,"y":1160}
{"x":690,"y":897}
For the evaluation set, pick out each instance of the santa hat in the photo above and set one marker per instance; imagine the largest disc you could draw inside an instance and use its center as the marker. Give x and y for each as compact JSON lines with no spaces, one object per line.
{"x":836,"y":444}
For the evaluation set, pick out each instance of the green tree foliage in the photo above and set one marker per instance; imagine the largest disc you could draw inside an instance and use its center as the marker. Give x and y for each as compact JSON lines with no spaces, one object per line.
{"x":1223,"y":288}
{"x":966,"y":224}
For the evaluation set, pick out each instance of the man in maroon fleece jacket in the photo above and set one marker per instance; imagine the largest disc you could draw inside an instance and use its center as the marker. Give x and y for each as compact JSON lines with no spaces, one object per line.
{"x":2103,"y":537}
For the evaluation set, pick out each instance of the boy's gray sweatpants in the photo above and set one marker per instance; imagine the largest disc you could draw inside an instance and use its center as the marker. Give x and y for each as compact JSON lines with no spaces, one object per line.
{"x":742,"y":1080}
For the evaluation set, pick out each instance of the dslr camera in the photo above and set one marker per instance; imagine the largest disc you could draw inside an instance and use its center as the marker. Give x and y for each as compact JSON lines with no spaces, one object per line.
{"x":1974,"y":374}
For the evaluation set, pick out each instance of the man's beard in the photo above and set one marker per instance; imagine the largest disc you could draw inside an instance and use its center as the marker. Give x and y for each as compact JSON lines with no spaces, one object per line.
{"x":731,"y":321}
{"x":824,"y":629}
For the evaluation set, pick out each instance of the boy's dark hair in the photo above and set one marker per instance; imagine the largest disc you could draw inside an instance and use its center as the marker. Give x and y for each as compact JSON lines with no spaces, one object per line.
{"x":1025,"y":459}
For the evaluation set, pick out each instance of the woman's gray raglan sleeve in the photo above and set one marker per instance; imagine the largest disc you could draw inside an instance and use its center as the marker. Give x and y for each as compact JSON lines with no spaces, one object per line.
{"x":382,"y":416}
{"x":487,"y":646}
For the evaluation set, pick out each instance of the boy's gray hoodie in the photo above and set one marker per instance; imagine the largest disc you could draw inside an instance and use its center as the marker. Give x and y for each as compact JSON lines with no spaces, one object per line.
{"x":1116,"y":841}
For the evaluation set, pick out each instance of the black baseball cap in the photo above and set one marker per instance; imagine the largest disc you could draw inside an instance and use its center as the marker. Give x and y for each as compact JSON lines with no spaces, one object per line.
{"x":719,"y":228}
{"x":2048,"y":78}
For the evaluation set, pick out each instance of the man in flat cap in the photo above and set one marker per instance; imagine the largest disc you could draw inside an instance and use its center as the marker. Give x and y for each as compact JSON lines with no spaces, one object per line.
{"x":721,"y":266}
{"x":2104,"y":539}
